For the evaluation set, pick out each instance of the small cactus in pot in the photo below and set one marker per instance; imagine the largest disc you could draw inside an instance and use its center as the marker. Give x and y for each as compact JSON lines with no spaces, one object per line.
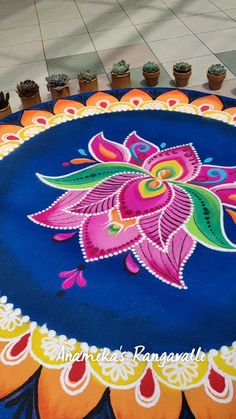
{"x":216,"y":74}
{"x":5,"y":108}
{"x":182,"y":72}
{"x":58,"y":85}
{"x":120,"y":75}
{"x":151,"y":73}
{"x":28,"y":92}
{"x":87,"y":81}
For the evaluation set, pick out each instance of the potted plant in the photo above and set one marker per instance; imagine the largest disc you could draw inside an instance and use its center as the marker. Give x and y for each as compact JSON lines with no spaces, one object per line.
{"x":216,"y":75}
{"x":182,"y":72}
{"x":151,"y":73}
{"x":120,"y":75}
{"x":58,"y":85}
{"x":5,"y":108}
{"x":28,"y":92}
{"x":87,"y":81}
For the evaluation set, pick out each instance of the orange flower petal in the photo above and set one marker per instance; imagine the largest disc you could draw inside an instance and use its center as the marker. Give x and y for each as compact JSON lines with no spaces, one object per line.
{"x":68,"y":106}
{"x":173,"y":97}
{"x":101,"y":99}
{"x":231,"y":111}
{"x":12,"y":377}
{"x":208,"y":103}
{"x":135,"y":97}
{"x":202,"y":406}
{"x":55,"y":403}
{"x":126,"y":407}
{"x":8,"y":129}
{"x":35,"y":116}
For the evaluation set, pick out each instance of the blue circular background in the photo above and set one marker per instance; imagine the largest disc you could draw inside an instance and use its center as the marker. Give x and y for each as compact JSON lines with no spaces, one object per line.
{"x":115,"y":308}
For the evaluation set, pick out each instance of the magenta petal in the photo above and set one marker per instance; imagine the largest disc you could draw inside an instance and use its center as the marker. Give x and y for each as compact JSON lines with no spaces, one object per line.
{"x":107,"y":151}
{"x":66,"y":274}
{"x":103,"y":196}
{"x":55,"y":215}
{"x":60,"y":237}
{"x":98,"y":241}
{"x":131,"y":265}
{"x":185,"y":155}
{"x":81,"y":281}
{"x":69,"y":282}
{"x":227,"y":194}
{"x":167,"y":266}
{"x":211,"y":176}
{"x":139,"y":148}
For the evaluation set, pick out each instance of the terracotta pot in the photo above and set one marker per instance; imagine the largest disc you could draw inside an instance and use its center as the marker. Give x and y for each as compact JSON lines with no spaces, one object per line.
{"x":181,"y":79}
{"x":120,"y":81}
{"x":215,"y":82}
{"x":5,"y":112}
{"x":57,"y":94}
{"x":151,"y":78}
{"x":88,"y":86}
{"x":30,"y":101}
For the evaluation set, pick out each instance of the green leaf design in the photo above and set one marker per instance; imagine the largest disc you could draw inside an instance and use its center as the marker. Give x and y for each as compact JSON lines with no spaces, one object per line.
{"x":206,"y":223}
{"x":90,"y":176}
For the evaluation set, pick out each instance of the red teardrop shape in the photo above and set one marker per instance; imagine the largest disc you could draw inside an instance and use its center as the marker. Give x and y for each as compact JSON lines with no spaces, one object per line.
{"x":11,"y":137}
{"x":147,"y":385}
{"x":71,"y":111}
{"x":171,"y":102}
{"x":20,"y":345}
{"x":41,"y":121}
{"x":205,"y":108}
{"x":136,"y":102}
{"x":216,"y":381}
{"x":77,"y":370}
{"x":234,"y":118}
{"x":103,"y":105}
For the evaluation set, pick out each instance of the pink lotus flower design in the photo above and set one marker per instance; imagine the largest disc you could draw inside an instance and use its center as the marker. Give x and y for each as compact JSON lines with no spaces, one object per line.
{"x":155,"y":203}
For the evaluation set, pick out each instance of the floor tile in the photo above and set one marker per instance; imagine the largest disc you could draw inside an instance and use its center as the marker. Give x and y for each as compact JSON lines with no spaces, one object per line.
{"x":228,"y":89}
{"x":135,"y":55}
{"x":229,"y":59}
{"x":69,"y":45}
{"x":18,"y":19}
{"x":224,"y":4}
{"x":57,"y":14}
{"x":114,"y":38}
{"x":219,"y":41}
{"x":19,"y":35}
{"x":98,"y":8}
{"x":192,"y":7}
{"x":164,"y":30}
{"x":136,"y":4}
{"x":50,"y":4}
{"x":210,"y":22}
{"x":36,"y":71}
{"x":107,"y":21}
{"x":63,"y":28}
{"x":178,"y":48}
{"x":200,"y":66}
{"x":12,"y":7}
{"x":71,"y":65}
{"x":231,"y":13}
{"x":150,"y":14}
{"x":25,"y":53}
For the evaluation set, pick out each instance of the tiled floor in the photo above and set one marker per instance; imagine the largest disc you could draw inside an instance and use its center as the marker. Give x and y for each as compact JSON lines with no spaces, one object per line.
{"x":41,"y":37}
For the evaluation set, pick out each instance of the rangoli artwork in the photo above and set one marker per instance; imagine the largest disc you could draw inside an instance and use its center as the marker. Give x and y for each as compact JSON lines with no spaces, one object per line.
{"x":118,"y":229}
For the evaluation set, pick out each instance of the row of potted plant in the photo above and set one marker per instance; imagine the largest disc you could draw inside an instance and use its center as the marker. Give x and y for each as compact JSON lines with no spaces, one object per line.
{"x":58,"y":84}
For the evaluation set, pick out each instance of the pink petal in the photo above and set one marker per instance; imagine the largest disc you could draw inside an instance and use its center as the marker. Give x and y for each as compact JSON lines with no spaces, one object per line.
{"x":184,"y":155}
{"x":63,"y":236}
{"x":166,"y":266}
{"x":97,"y":242}
{"x":102,"y":197}
{"x":227,"y":194}
{"x":69,"y":282}
{"x":160,"y":227}
{"x":210,"y":176}
{"x":139,"y":149}
{"x":107,"y":151}
{"x":55,"y":215}
{"x":66,"y":274}
{"x":132,"y":204}
{"x":131,"y":265}
{"x":81,"y":281}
